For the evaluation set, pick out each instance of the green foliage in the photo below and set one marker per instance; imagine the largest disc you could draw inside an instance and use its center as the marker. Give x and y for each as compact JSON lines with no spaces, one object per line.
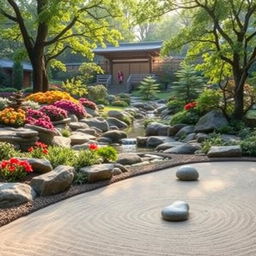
{"x":4,"y":78}
{"x":119,"y":103}
{"x":7,"y":151}
{"x":88,"y":72}
{"x":248,"y":146}
{"x":86,"y":158}
{"x":175,"y":105}
{"x":208,"y":100}
{"x":75,"y":87}
{"x":8,"y":89}
{"x":98,"y":94}
{"x":189,"y":83}
{"x":17,"y":75}
{"x":148,"y":88}
{"x":4,"y":102}
{"x":61,"y":156}
{"x":214,"y":140}
{"x":65,"y":132}
{"x":108,"y":154}
{"x":185,"y":117}
{"x":80,"y":178}
{"x":28,"y":90}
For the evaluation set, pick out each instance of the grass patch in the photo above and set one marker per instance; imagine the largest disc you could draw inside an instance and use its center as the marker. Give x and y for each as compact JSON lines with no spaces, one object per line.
{"x":109,"y":108}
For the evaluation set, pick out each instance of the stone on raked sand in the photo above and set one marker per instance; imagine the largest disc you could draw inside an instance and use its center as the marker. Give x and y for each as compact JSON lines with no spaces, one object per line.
{"x":78,"y":125}
{"x":141,"y":141}
{"x":187,"y":173}
{"x":61,"y":141}
{"x":115,"y":135}
{"x":200,"y":137}
{"x":54,"y":182}
{"x":168,"y":145}
{"x":225,"y":151}
{"x":177,"y":211}
{"x":13,"y":194}
{"x":230,"y":138}
{"x":128,"y":158}
{"x":73,"y":118}
{"x":97,"y":122}
{"x":90,"y":131}
{"x":104,"y":141}
{"x":99,"y":172}
{"x":39,"y":165}
{"x":182,"y":149}
{"x":80,"y":138}
{"x":175,"y":128}
{"x":211,"y":121}
{"x":190,"y":137}
{"x":112,"y":121}
{"x":154,"y":141}
{"x":116,"y":171}
{"x":183,"y":132}
{"x":92,"y":112}
{"x":157,"y":129}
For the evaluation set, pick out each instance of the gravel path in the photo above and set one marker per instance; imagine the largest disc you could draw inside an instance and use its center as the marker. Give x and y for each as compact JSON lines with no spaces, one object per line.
{"x":124,"y":218}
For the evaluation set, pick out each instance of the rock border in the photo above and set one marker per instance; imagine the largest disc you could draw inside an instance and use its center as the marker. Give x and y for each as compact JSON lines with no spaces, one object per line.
{"x":10,"y":214}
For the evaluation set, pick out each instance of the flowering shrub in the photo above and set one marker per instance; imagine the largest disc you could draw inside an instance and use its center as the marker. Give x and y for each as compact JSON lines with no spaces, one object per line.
{"x":50,"y":97}
{"x":38,"y":118}
{"x":12,"y":117}
{"x":54,"y":113}
{"x":88,"y":103}
{"x":190,"y":106}
{"x":14,"y":169}
{"x":71,"y":108}
{"x":39,"y":150}
{"x":40,"y":122}
{"x":93,"y":146}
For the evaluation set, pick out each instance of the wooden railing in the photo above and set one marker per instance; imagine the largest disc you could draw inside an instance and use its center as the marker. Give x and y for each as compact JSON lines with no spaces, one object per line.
{"x":104,"y":79}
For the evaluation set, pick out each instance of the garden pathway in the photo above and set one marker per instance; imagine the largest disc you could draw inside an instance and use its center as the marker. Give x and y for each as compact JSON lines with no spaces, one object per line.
{"x":124,"y":218}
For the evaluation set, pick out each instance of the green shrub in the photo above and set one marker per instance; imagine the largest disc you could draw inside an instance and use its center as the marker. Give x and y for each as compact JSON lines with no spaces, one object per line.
{"x":119,"y":103}
{"x":61,"y":156}
{"x":17,"y":75}
{"x":65,"y":132}
{"x":75,"y":87}
{"x":248,"y":145}
{"x":108,"y":154}
{"x":175,"y":105}
{"x":7,"y":151}
{"x":214,"y":140}
{"x":98,"y":94}
{"x":124,"y":97}
{"x":208,"y":100}
{"x":8,"y":89}
{"x":86,"y":158}
{"x":148,"y":88}
{"x":185,"y":117}
{"x":80,"y":178}
{"x":4,"y":102}
{"x":28,"y":90}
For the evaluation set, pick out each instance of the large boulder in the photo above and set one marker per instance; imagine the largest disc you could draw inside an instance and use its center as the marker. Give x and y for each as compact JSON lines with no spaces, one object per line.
{"x":141,"y":141}
{"x":211,"y":121}
{"x":54,"y":182}
{"x":154,"y":141}
{"x":128,"y":158}
{"x":115,"y":135}
{"x":183,"y":132}
{"x":78,"y":138}
{"x":39,"y":165}
{"x":99,"y":123}
{"x":78,"y":125}
{"x":13,"y":194}
{"x":92,"y":112}
{"x":157,"y":129}
{"x":182,"y":149}
{"x":175,"y":128}
{"x":168,"y":145}
{"x":200,"y":137}
{"x":225,"y":151}
{"x":125,"y":117}
{"x":96,"y":173}
{"x":61,"y":141}
{"x":112,"y":121}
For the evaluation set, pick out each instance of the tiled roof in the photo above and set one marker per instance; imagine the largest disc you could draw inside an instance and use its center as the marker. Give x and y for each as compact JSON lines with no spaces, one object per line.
{"x":9,"y":64}
{"x":127,"y":47}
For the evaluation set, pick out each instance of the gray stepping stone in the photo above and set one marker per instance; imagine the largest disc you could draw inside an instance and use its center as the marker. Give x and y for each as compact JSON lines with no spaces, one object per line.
{"x":187,"y":173}
{"x":178,"y":211}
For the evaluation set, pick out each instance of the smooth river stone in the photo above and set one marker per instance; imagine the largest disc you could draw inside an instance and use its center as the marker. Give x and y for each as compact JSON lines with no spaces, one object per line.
{"x":178,"y":211}
{"x":187,"y":173}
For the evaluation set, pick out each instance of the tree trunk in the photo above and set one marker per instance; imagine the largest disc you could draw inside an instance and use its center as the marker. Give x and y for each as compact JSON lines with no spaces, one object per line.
{"x":37,"y":74}
{"x":239,"y":99}
{"x":45,"y":79}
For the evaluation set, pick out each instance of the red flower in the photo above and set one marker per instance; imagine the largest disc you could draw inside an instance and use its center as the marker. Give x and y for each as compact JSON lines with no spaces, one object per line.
{"x":190,"y":105}
{"x":93,"y":146}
